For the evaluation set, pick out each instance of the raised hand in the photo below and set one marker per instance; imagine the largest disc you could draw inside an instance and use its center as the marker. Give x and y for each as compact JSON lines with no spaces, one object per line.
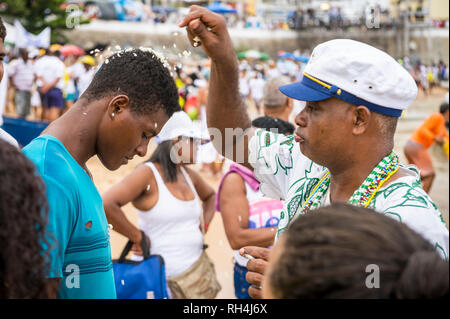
{"x":209,"y":30}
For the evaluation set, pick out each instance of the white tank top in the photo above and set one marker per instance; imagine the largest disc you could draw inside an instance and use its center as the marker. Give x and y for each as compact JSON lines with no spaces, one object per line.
{"x":173,"y":227}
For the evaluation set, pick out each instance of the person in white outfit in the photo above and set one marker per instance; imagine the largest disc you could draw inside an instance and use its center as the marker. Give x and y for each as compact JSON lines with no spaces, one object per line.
{"x":169,"y":198}
{"x":4,"y":87}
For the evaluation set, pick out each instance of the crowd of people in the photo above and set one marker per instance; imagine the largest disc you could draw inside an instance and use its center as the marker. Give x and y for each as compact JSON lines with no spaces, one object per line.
{"x":304,"y":17}
{"x":427,"y":76}
{"x":305,"y":208}
{"x":44,"y":83}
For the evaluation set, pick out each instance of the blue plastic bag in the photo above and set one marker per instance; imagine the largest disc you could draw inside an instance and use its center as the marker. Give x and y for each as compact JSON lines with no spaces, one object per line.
{"x":144,"y":279}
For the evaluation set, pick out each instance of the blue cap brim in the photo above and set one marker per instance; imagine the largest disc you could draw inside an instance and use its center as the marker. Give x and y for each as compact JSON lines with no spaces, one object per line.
{"x":311,"y":89}
{"x":300,"y":91}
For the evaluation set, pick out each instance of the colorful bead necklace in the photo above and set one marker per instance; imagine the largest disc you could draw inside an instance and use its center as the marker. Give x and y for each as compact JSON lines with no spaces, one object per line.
{"x":365,"y":193}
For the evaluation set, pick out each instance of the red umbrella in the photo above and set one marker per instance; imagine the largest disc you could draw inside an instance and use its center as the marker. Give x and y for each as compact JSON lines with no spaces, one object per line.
{"x":69,"y":49}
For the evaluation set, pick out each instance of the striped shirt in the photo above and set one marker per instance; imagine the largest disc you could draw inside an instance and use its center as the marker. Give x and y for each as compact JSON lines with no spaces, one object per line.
{"x":79,"y":252}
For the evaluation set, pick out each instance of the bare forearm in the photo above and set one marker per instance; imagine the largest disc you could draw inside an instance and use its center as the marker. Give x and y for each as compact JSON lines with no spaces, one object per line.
{"x":121,"y":224}
{"x":209,"y":208}
{"x":262,"y":237}
{"x":225,"y":108}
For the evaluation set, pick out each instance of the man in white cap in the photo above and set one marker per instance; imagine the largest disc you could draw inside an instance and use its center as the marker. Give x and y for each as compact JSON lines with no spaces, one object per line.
{"x":342,"y":151}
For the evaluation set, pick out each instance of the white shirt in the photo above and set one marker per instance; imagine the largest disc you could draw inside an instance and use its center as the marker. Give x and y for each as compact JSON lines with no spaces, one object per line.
{"x":50,"y":68}
{"x":22,"y":74}
{"x":6,"y":137}
{"x":272,"y":73}
{"x":257,"y":86}
{"x":69,"y":86}
{"x":286,"y":174}
{"x":84,"y":78}
{"x":3,"y":92}
{"x":244,"y":89}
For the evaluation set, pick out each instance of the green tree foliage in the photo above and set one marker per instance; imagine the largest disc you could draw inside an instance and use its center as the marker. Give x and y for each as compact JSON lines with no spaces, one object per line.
{"x":36,"y":15}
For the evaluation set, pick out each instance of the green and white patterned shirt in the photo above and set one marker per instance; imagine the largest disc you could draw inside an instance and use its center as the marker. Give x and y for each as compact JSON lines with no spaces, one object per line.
{"x":286,"y":174}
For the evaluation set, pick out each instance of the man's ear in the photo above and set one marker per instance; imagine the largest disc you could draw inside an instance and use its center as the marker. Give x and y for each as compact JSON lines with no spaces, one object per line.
{"x":117,"y":105}
{"x":360,"y":119}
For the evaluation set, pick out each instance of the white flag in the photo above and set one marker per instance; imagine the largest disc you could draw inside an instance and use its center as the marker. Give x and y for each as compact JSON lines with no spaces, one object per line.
{"x":25,"y":39}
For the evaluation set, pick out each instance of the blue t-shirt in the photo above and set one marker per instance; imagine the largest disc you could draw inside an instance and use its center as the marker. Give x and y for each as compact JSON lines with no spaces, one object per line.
{"x":80,"y":253}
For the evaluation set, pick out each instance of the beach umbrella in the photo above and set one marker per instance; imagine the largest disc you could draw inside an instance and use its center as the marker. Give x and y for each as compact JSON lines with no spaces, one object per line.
{"x":70,"y":49}
{"x":285,"y":55}
{"x":253,"y":54}
{"x":219,"y":7}
{"x":55,"y":47}
{"x":301,"y":58}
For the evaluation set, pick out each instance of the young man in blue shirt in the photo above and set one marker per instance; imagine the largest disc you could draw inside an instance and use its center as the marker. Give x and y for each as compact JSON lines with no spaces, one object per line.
{"x":128,"y":102}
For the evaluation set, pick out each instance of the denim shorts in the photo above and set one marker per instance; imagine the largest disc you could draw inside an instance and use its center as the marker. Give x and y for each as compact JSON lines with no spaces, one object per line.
{"x":240,"y":284}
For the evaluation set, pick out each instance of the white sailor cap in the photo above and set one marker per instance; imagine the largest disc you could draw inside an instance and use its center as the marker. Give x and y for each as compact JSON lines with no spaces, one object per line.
{"x":357,"y":73}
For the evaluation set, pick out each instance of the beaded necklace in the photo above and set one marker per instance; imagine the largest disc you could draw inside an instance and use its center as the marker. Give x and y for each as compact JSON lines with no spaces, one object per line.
{"x":365,"y":193}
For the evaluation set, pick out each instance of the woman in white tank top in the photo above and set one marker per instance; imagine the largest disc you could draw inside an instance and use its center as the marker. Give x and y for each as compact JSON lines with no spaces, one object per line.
{"x":169,"y":198}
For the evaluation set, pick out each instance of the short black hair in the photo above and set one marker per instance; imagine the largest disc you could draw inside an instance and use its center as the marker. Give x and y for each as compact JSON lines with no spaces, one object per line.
{"x":2,"y":30}
{"x":443,"y":108}
{"x":267,"y":123}
{"x":141,"y":75}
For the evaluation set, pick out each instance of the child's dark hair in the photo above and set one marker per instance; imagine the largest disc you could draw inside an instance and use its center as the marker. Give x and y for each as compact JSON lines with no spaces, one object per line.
{"x":326,"y":253}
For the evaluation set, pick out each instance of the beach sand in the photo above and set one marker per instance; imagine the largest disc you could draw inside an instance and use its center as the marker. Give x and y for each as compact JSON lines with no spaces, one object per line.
{"x":219,"y":250}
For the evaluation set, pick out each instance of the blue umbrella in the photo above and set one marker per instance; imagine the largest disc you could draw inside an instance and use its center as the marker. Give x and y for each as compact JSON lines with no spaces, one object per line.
{"x":301,"y":58}
{"x":285,"y":55}
{"x":219,"y":7}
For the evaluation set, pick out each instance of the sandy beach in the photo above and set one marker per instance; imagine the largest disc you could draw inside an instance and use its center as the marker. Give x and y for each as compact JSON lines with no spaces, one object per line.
{"x":219,"y":249}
